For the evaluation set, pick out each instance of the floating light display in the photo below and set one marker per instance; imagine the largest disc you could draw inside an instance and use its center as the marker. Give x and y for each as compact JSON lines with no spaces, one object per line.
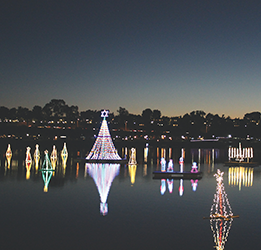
{"x":103,"y":148}
{"x":28,"y":162}
{"x":240,"y":154}
{"x":163,"y":164}
{"x":54,"y":157}
{"x":132,"y":160}
{"x":194,"y":168}
{"x":64,"y":155}
{"x":194,"y":183}
{"x":221,"y":215}
{"x":240,"y":176}
{"x":8,"y":155}
{"x":181,"y":164}
{"x":47,"y":171}
{"x":170,"y":166}
{"x":103,"y":176}
{"x":36,"y":156}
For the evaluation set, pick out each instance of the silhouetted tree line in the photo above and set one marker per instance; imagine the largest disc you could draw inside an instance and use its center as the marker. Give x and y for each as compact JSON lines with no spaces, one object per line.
{"x":151,"y":123}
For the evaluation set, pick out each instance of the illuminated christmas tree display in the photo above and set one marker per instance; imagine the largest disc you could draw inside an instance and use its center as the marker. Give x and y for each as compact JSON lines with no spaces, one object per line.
{"x":47,"y":171}
{"x":103,"y":176}
{"x":221,"y":215}
{"x":103,"y":148}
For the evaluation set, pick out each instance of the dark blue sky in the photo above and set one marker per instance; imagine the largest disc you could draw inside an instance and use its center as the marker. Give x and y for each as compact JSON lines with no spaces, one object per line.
{"x":175,"y":56}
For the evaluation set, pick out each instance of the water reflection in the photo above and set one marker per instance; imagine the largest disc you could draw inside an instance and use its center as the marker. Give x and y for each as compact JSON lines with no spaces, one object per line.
{"x":164,"y":183}
{"x":146,"y":153}
{"x":221,"y":216}
{"x":132,"y":172}
{"x":103,"y":176}
{"x":240,"y":176}
{"x":206,"y":156}
{"x":47,"y":171}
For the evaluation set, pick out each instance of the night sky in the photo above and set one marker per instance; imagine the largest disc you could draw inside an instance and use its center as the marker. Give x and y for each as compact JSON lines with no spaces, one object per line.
{"x":175,"y":56}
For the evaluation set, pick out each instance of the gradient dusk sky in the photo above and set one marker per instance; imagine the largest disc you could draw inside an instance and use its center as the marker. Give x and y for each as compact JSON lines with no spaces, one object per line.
{"x":172,"y":55}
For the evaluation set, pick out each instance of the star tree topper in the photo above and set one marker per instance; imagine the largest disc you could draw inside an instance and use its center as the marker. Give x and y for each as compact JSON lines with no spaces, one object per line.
{"x":219,"y":176}
{"x":104,"y":113}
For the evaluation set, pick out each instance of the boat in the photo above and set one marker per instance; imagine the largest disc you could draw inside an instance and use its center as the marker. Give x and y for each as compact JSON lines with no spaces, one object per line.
{"x":240,"y":157}
{"x":177,"y":175}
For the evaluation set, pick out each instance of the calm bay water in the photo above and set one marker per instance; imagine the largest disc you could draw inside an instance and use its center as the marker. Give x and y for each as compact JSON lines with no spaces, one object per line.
{"x":137,"y":214}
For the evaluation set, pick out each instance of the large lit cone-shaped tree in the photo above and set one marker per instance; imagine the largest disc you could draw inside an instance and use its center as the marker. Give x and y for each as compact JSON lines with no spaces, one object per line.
{"x":103,"y":148}
{"x":221,"y":215}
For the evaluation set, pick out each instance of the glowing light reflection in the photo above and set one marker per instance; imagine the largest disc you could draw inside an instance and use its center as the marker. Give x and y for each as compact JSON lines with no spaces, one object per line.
{"x":240,"y":176}
{"x":47,"y":171}
{"x":103,"y":176}
{"x":132,"y":172}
